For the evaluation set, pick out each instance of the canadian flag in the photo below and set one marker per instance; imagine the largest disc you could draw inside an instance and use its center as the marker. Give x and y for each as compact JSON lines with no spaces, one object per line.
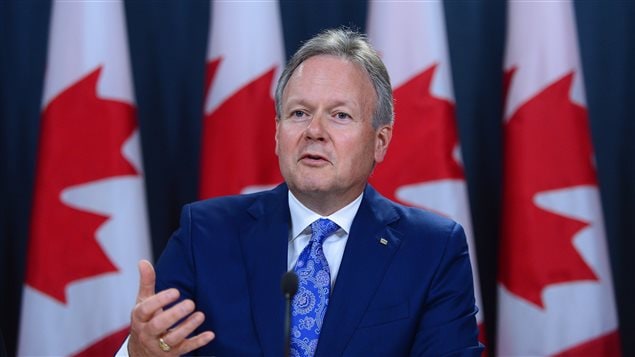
{"x":423,"y":167}
{"x":238,"y":147}
{"x":89,"y":225}
{"x":555,"y":287}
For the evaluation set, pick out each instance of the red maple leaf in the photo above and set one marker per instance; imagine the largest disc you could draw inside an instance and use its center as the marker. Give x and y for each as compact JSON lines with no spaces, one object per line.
{"x":424,"y":138}
{"x":547,"y":147}
{"x":80,"y":142}
{"x":238,"y":148}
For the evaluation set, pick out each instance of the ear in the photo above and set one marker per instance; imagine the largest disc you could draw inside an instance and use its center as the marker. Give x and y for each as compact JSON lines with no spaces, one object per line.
{"x":384,"y":135}
{"x":276,"y":137}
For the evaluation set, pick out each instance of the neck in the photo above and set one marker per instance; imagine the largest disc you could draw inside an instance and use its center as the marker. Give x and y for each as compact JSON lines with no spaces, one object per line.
{"x":325,"y":203}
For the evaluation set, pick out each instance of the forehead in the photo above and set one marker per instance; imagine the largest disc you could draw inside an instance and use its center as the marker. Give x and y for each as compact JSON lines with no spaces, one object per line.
{"x":327,"y":77}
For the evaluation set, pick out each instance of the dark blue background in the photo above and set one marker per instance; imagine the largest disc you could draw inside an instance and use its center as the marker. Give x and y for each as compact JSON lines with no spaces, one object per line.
{"x":168,"y":46}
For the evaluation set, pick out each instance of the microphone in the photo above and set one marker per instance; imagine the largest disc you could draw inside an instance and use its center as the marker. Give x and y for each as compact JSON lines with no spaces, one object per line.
{"x":289,"y":285}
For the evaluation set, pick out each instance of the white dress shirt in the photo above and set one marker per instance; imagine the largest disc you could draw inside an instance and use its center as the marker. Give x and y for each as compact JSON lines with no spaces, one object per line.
{"x":333,"y":246}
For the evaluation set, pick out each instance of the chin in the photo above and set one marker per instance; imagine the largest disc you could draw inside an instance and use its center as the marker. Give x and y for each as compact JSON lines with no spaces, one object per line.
{"x":311,"y":186}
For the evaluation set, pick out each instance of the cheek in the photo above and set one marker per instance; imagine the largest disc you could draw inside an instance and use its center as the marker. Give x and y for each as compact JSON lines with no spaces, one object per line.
{"x":284,"y":145}
{"x":360,"y":154}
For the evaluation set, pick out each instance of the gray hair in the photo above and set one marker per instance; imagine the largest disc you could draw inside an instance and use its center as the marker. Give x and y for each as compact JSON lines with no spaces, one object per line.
{"x":354,"y":47}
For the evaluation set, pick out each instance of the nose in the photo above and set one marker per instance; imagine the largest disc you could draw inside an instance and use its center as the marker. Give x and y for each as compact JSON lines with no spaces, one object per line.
{"x":316,"y":129}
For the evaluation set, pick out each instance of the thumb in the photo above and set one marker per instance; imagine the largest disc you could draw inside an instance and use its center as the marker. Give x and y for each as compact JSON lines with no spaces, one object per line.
{"x":147,"y":279}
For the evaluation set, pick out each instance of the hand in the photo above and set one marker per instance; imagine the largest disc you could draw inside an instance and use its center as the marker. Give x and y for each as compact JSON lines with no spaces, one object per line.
{"x":150,"y":322}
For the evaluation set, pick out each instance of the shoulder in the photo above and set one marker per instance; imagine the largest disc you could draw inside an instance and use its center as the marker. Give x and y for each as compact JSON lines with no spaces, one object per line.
{"x":420,"y":231}
{"x":408,"y":218}
{"x":426,"y":221}
{"x":235,"y":206}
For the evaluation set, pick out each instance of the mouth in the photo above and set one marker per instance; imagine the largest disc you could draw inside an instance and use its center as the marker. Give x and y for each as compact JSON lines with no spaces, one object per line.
{"x":313,"y":159}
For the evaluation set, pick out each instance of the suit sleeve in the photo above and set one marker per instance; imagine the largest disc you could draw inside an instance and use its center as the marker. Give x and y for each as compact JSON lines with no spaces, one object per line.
{"x":448,"y":324}
{"x":175,"y":267}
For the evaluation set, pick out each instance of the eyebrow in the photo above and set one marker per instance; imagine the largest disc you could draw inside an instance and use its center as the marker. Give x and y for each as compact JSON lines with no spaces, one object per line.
{"x":306,"y":103}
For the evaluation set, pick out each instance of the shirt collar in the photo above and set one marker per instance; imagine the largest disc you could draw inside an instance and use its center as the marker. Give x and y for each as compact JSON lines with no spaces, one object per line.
{"x":302,"y":217}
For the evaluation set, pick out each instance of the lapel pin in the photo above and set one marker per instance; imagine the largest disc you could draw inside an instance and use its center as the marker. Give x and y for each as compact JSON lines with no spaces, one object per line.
{"x":383,"y":241}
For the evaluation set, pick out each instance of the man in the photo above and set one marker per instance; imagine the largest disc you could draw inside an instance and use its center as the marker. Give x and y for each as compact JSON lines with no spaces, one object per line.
{"x":375,"y":277}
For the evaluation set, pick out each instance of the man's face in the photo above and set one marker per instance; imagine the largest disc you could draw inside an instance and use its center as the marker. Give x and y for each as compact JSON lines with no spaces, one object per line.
{"x":325,"y":141}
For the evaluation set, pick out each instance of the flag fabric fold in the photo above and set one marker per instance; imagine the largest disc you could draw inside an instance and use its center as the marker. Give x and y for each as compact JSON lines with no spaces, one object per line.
{"x":89,"y":223}
{"x":555,"y":287}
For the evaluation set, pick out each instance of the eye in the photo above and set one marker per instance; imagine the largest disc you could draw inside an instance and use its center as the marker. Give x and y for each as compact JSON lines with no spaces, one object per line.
{"x":298,"y":114}
{"x":343,"y":116}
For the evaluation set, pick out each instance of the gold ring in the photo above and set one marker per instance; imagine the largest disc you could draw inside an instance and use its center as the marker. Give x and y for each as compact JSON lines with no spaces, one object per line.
{"x":164,"y":346}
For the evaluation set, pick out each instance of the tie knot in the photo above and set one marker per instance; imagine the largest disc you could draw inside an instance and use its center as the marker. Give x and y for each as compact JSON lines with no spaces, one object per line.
{"x":322,"y":228}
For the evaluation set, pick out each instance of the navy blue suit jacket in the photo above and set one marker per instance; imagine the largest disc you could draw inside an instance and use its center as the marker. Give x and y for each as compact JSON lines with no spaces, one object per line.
{"x":411,"y":296}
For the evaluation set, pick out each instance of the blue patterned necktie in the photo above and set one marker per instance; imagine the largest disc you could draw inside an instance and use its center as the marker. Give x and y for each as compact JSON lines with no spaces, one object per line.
{"x":309,"y":303}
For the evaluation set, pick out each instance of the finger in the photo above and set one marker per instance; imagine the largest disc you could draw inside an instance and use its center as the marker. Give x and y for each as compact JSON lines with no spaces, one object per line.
{"x":147,"y":280}
{"x":176,"y":335}
{"x":195,"y":342}
{"x":161,"y":322}
{"x":149,"y":307}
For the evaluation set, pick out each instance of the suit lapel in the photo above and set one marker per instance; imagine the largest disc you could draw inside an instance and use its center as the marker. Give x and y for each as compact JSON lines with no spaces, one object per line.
{"x":264,"y":244}
{"x":363,"y":266}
